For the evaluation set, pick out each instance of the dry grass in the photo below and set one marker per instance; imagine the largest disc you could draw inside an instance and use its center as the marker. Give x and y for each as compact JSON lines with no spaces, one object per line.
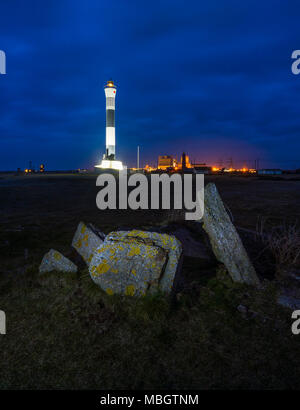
{"x":283,"y":242}
{"x":64,"y":332}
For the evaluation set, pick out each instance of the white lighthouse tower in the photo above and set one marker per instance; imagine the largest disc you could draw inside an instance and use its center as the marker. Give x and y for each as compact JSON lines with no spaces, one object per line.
{"x":109,"y":158}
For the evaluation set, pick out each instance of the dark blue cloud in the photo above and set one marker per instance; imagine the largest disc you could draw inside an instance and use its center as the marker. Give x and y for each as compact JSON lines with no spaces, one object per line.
{"x":211,"y":78}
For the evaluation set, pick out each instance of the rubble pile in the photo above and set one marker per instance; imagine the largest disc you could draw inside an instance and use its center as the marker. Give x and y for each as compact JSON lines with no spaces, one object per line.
{"x":136,"y":262}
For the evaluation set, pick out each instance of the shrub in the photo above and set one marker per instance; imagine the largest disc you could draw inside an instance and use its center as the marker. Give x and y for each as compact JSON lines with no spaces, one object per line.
{"x":283,"y":242}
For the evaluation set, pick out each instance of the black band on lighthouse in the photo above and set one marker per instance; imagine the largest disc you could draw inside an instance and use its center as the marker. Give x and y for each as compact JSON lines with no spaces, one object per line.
{"x":110,"y":118}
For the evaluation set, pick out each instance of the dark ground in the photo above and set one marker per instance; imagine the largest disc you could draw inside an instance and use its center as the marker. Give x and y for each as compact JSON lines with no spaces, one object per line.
{"x":62,"y":332}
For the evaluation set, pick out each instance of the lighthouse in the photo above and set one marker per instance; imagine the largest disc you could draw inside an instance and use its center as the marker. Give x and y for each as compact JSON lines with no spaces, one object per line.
{"x":109,"y":158}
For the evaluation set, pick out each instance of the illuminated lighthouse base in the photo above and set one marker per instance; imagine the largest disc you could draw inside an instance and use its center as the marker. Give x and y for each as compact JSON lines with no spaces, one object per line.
{"x":109,"y":158}
{"x":110,"y":164}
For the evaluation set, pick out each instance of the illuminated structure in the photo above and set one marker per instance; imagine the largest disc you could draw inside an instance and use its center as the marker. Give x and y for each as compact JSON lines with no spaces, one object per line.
{"x":109,"y":158}
{"x":165,"y":162}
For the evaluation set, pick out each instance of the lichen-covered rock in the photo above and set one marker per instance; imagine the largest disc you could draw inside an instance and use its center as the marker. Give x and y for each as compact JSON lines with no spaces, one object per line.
{"x":54,"y":260}
{"x":225,"y":241}
{"x":86,"y":240}
{"x":134,"y":262}
{"x":167,"y":242}
{"x":127,"y":267}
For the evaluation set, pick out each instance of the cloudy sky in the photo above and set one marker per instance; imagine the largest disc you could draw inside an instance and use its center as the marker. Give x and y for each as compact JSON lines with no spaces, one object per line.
{"x":211,"y":78}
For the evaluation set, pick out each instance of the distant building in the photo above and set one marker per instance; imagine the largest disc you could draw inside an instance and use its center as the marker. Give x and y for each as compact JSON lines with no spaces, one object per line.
{"x":185,"y":161}
{"x":269,"y":172}
{"x":166,"y":161}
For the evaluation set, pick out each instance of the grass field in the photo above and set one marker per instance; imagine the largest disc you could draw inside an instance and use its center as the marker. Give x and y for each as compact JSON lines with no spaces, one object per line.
{"x":64,"y":332}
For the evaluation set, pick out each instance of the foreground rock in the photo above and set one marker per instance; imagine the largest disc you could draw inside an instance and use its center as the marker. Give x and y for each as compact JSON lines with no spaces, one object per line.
{"x":136,"y":262}
{"x":192,"y":247}
{"x":225,"y":241}
{"x":54,"y":260}
{"x":86,"y":240}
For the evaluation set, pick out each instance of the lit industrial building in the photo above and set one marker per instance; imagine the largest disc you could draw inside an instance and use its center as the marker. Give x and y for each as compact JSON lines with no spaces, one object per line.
{"x":166,"y":161}
{"x":169,"y":164}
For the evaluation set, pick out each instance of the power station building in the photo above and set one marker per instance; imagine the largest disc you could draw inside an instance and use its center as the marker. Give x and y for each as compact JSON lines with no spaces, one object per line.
{"x":109,"y":158}
{"x":166,"y":161}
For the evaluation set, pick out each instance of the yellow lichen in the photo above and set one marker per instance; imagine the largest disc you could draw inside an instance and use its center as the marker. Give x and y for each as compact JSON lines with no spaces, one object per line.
{"x":130,"y":290}
{"x":135,"y":250}
{"x":102,"y":268}
{"x":86,"y":239}
{"x":57,"y":256}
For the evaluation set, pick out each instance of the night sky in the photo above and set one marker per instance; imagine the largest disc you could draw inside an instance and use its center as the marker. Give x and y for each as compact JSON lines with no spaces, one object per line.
{"x":211,"y":78}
